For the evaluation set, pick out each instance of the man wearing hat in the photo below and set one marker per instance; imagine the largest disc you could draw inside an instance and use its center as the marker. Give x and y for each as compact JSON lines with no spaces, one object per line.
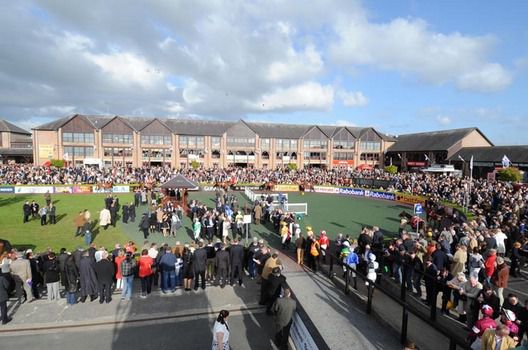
{"x":482,"y":325}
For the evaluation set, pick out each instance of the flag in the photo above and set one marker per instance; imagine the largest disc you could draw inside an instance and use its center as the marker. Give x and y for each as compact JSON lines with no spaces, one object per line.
{"x":471,"y":163}
{"x":460,"y":157}
{"x":505,"y":162}
{"x":426,"y":157}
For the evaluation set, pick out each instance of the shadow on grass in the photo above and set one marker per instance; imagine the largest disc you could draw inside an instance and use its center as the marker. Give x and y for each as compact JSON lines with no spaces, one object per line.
{"x":337,"y":224}
{"x":12,"y":200}
{"x":60,"y":217}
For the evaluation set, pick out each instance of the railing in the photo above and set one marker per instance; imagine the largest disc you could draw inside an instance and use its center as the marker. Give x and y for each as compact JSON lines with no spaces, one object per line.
{"x":395,"y":294}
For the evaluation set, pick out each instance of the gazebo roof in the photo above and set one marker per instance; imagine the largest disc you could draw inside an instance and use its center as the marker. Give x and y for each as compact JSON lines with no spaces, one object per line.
{"x":179,"y":181}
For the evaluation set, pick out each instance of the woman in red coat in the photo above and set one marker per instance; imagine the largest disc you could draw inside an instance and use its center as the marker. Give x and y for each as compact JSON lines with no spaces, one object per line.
{"x":490,"y":265}
{"x":145,"y":273}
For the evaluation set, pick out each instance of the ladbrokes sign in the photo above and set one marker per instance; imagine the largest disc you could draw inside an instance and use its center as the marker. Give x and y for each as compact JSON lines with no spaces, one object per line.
{"x":410,"y":199}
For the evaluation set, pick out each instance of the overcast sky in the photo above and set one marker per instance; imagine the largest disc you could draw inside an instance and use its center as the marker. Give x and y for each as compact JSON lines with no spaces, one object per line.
{"x":400,"y":66}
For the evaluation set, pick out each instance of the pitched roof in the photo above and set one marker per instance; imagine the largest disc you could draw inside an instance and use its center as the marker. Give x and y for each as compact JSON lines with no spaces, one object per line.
{"x":278,"y":130}
{"x":431,"y":141}
{"x":179,"y":181}
{"x":198,"y":127}
{"x":7,"y":126}
{"x":516,"y":154}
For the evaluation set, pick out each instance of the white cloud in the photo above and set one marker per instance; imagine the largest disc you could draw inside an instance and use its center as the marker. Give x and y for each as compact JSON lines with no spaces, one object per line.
{"x":126,"y":68}
{"x":410,"y":47}
{"x":443,"y":120}
{"x":344,"y":122}
{"x":297,"y":66}
{"x":353,"y":98}
{"x":305,"y":96}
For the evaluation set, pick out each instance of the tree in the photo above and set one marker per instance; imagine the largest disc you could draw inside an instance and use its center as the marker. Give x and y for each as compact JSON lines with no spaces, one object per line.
{"x":195,"y":164}
{"x":57,"y":163}
{"x":510,"y":174}
{"x":391,"y":169}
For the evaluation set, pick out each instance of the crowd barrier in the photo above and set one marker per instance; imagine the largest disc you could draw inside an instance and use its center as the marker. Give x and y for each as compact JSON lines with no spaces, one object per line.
{"x":393,"y":296}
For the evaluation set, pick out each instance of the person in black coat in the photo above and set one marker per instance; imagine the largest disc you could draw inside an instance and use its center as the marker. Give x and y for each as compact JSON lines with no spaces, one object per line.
{"x":4,"y":297}
{"x":36,"y":277}
{"x":52,"y":213}
{"x":26,"y":208}
{"x":105,"y":271}
{"x":125,"y":214}
{"x":440,"y":258}
{"x":88,"y":278}
{"x":222,"y":266}
{"x":113,"y":213}
{"x":144,"y":225}
{"x":431,"y":279}
{"x":236,"y":255}
{"x":72,"y":280}
{"x":132,"y":212}
{"x":199,"y":264}
{"x":276,"y":282}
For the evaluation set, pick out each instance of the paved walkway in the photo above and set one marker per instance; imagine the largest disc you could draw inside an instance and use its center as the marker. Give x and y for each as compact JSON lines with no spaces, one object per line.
{"x":180,"y":320}
{"x":342,"y":323}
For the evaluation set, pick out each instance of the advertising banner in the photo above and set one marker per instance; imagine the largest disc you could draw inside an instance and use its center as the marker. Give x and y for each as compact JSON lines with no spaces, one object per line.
{"x":121,"y":189}
{"x":286,"y":188}
{"x":101,"y":190}
{"x":63,"y":189}
{"x":82,"y":189}
{"x":349,"y":162}
{"x":352,"y":191}
{"x":34,"y":189}
{"x":410,"y":199}
{"x":7,"y":189}
{"x":326,"y":189}
{"x":389,"y":196}
{"x":207,"y":188}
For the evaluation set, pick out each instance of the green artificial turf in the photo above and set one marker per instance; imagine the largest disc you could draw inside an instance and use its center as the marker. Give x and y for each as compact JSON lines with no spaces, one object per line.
{"x":332,"y":213}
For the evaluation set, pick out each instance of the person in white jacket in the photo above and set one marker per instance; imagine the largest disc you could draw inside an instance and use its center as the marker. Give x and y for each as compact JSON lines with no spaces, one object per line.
{"x":500,"y":238}
{"x":104,"y":218}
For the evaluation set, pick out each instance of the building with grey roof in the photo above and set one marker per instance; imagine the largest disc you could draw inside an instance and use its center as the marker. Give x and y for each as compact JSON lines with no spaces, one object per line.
{"x":419,"y":150}
{"x":16,"y":145}
{"x":136,"y":141}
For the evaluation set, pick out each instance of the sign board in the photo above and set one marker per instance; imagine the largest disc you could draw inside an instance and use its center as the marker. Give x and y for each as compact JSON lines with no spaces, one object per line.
{"x":121,"y":189}
{"x":247,"y":219}
{"x":418,"y":209}
{"x":7,"y":189}
{"x":46,"y":151}
{"x":34,"y":189}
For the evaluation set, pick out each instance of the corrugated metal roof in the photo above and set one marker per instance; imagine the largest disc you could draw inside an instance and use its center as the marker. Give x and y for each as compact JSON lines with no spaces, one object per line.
{"x":431,"y":141}
{"x":9,"y":127}
{"x":516,"y":154}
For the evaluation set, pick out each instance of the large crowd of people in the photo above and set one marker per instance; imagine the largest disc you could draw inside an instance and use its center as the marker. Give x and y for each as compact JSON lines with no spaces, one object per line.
{"x":464,"y":264}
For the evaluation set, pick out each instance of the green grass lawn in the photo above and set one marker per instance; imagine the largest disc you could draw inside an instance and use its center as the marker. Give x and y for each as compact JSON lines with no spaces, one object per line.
{"x":333,"y":213}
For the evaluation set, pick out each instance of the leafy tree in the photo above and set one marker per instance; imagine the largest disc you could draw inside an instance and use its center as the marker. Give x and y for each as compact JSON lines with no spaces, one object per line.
{"x":195,"y":164}
{"x":510,"y":174}
{"x":58,"y":163}
{"x":391,"y":169}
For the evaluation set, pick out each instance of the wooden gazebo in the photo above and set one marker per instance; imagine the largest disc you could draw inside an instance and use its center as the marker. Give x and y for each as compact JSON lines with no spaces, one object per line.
{"x":175,"y":190}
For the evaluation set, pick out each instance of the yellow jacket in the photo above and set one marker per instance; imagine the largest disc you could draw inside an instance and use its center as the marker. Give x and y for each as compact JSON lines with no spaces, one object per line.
{"x":488,"y":341}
